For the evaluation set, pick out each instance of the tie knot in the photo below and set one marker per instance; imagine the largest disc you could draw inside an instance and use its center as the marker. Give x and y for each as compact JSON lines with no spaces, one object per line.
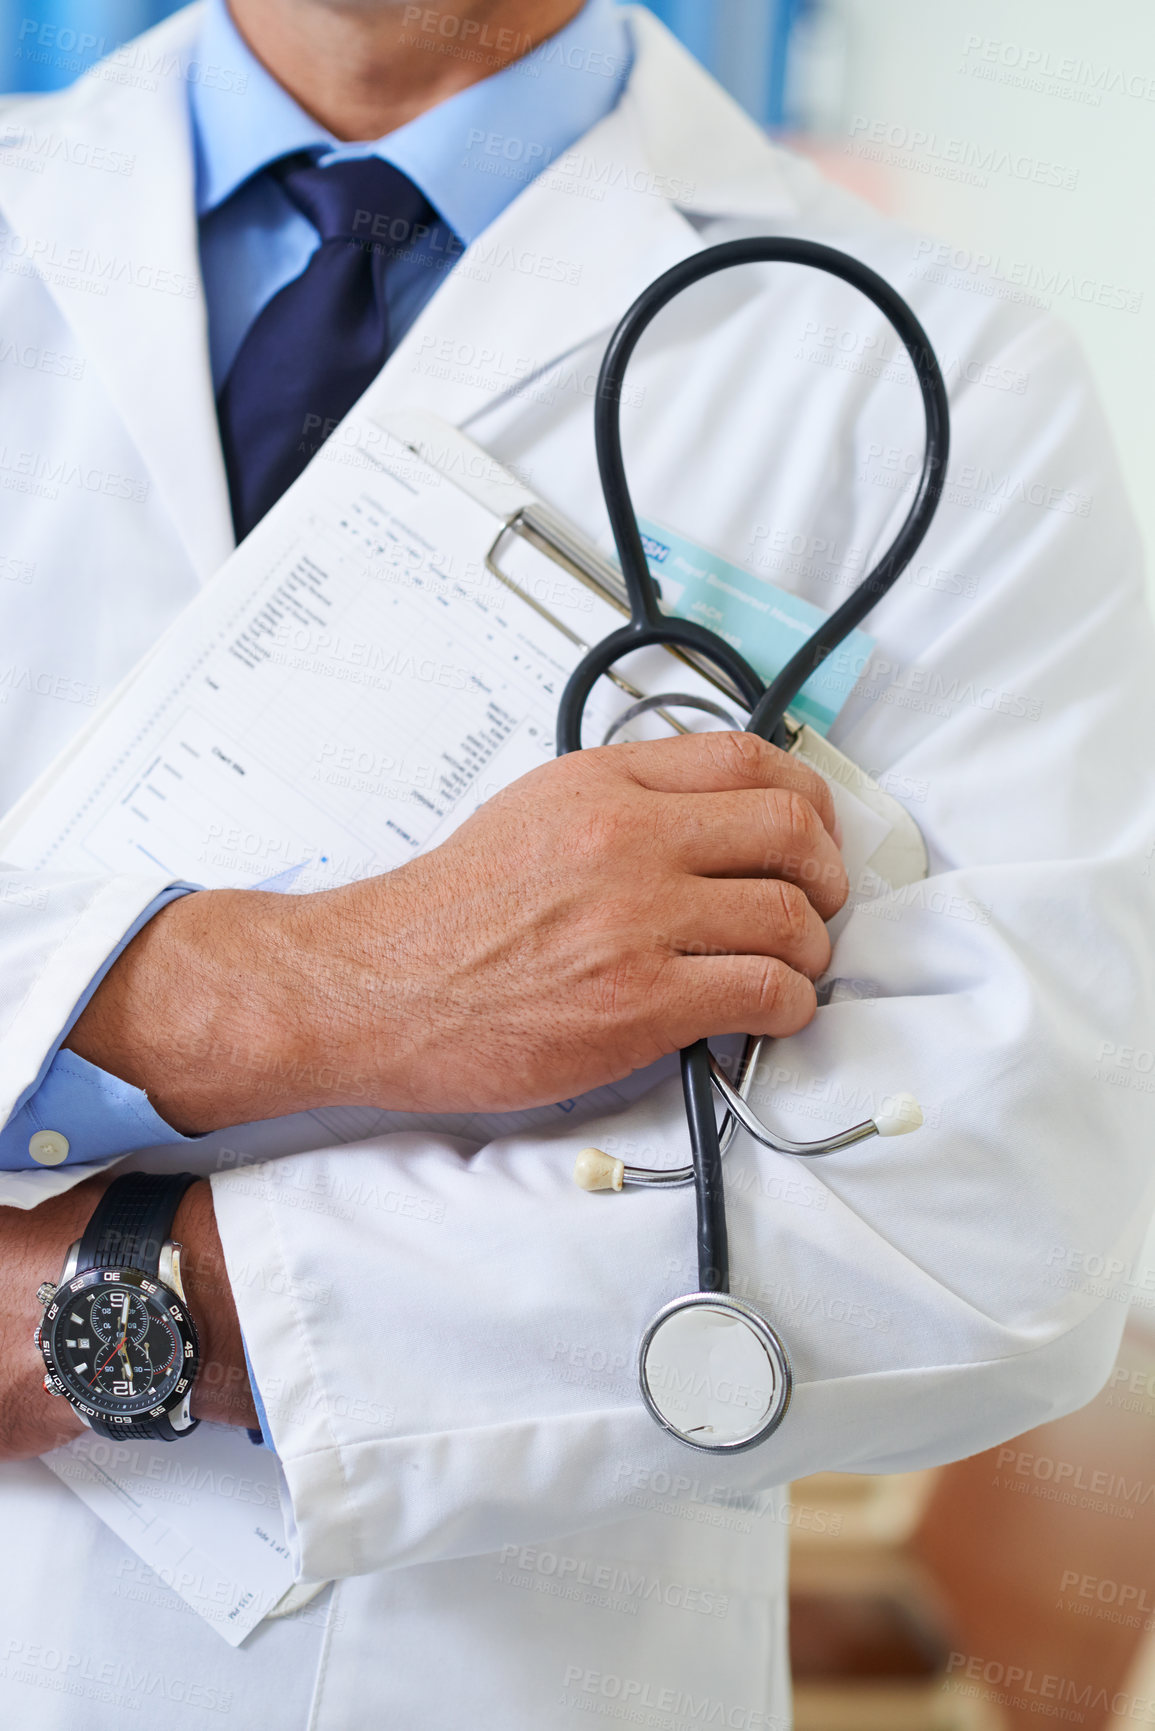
{"x":363,"y":199}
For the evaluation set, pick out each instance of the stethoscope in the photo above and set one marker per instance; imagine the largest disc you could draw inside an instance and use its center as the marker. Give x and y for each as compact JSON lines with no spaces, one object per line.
{"x":712,"y":1370}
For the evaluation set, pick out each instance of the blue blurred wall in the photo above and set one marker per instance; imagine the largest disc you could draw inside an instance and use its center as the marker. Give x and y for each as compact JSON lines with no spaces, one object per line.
{"x":47,"y":43}
{"x":744,"y":44}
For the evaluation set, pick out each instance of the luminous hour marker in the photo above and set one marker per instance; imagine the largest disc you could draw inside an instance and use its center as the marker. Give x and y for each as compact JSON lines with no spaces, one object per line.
{"x":84,"y":1342}
{"x":80,"y":1367}
{"x":74,"y":1316}
{"x":70,"y":1343}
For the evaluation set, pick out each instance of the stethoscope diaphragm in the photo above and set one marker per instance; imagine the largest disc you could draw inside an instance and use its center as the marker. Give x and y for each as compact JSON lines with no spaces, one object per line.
{"x":714,"y":1373}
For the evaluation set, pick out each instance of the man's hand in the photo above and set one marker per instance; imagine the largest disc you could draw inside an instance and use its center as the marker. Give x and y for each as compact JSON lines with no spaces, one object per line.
{"x":33,"y":1244}
{"x":605,"y":909}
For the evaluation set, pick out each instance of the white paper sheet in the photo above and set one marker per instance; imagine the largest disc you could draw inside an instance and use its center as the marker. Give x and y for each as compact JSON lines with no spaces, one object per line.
{"x":204,"y":1513}
{"x":348,"y":689}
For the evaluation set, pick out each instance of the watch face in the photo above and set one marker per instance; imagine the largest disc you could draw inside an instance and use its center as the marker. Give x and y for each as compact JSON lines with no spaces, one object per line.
{"x":120,"y":1345}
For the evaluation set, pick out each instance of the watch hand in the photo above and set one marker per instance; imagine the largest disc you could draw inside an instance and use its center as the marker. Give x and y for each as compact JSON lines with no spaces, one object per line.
{"x":118,"y":1348}
{"x":100,"y":1367}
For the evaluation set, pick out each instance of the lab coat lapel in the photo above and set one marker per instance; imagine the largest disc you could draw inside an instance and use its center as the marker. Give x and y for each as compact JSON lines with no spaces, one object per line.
{"x":548,"y":275}
{"x":110,"y":225}
{"x":562,"y":263}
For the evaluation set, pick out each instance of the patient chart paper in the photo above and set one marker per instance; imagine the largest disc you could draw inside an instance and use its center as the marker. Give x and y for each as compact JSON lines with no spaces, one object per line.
{"x":348,"y":689}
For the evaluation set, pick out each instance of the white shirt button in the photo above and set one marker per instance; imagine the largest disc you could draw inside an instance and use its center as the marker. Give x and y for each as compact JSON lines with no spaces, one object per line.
{"x":48,"y":1147}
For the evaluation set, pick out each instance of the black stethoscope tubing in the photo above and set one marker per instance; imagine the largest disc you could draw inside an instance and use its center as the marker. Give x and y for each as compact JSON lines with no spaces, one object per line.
{"x":649,"y":625}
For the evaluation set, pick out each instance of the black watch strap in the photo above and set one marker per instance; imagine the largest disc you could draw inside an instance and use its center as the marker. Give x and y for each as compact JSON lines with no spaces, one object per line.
{"x":132,"y":1220}
{"x":152,"y":1430}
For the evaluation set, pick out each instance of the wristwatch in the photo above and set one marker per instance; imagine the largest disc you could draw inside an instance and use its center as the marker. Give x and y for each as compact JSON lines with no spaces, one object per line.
{"x":116,"y":1334}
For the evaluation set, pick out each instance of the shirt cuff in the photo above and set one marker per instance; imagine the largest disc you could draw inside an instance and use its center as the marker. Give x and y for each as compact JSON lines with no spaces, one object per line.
{"x":264,"y":1435}
{"x":76,"y":1112}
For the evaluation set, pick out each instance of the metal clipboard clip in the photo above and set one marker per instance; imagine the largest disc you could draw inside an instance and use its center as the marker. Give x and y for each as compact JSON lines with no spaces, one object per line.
{"x":551,"y":535}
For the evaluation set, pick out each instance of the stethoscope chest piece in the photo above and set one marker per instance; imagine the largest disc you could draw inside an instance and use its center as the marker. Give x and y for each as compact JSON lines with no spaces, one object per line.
{"x":714,"y":1373}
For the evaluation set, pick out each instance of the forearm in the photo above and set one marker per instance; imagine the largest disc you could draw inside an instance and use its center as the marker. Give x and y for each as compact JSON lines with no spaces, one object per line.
{"x":479,"y":976}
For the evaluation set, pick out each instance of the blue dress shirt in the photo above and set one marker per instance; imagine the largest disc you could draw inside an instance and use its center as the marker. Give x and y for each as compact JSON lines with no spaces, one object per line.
{"x":74,"y":1111}
{"x":471,"y":156}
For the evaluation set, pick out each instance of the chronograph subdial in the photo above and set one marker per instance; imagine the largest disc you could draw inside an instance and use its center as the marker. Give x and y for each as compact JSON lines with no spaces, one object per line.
{"x":126,"y":1372}
{"x":119,"y":1312}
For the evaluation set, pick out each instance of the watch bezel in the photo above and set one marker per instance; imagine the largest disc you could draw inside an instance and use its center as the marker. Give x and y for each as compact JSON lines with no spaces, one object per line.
{"x":107,"y":1412}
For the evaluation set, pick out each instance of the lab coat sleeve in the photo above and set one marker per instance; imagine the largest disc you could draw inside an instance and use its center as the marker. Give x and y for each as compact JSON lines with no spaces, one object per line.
{"x":93,"y":1115}
{"x":445,"y":1339}
{"x":59,"y":934}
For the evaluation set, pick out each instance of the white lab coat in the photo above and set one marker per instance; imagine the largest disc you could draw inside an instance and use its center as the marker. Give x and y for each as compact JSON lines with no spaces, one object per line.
{"x":446,"y":1343}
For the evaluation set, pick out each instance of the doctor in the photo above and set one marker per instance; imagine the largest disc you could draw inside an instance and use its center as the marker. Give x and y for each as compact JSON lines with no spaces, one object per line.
{"x":441,"y":1345}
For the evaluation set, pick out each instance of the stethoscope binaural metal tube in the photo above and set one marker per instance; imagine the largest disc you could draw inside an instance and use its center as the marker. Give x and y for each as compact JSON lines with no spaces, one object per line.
{"x":904,"y":1114}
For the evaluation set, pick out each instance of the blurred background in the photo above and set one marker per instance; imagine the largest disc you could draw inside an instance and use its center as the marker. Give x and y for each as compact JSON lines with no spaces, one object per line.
{"x":1017,"y":1586}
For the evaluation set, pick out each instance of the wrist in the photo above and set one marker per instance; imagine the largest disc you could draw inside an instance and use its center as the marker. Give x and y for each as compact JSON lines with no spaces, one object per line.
{"x":208,"y":1011}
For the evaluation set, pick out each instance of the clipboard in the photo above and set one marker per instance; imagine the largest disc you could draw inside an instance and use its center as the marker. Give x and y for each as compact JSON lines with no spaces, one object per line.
{"x":898,"y":859}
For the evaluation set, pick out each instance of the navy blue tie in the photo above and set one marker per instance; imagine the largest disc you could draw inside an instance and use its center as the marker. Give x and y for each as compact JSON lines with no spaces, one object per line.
{"x":322,"y":339}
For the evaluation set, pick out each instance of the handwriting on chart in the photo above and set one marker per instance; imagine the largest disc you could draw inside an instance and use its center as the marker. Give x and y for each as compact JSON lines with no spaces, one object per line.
{"x":466,"y":760}
{"x":298,"y":599}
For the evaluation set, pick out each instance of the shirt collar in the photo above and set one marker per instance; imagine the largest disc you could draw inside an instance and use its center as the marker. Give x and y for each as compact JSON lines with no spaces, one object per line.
{"x":242,"y":118}
{"x":470,"y":155}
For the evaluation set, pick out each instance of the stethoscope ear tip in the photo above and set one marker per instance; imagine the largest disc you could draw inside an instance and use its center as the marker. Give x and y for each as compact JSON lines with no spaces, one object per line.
{"x":900,"y":1113}
{"x":594,"y":1170}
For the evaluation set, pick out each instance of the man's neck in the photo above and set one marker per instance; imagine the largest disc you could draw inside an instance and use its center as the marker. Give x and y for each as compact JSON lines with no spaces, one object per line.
{"x":365,"y":67}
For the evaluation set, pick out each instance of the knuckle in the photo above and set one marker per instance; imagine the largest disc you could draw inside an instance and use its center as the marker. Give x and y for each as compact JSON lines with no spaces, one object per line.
{"x":743,"y":755}
{"x":786,"y":999}
{"x":587,"y":774}
{"x":792,"y":913}
{"x":774,"y":987}
{"x":801,"y":818}
{"x":615,"y":761}
{"x":618,"y":990}
{"x":597,"y":832}
{"x":633,"y":1012}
